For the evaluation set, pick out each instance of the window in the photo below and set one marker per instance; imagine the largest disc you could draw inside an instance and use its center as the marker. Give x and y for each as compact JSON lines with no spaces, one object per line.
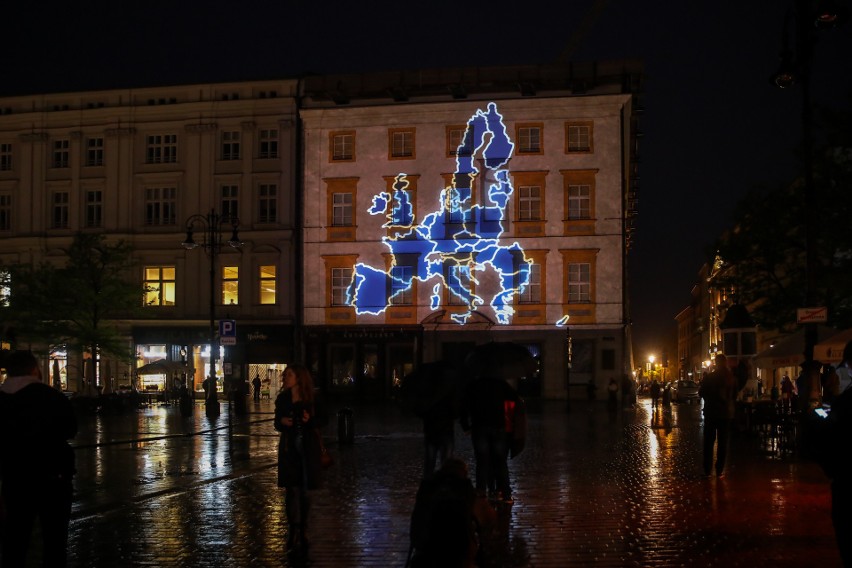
{"x":456,"y":143}
{"x":529,"y":203}
{"x":60,"y":153}
{"x":5,"y":289}
{"x":161,"y":149}
{"x":230,"y":285}
{"x":94,"y":151}
{"x":579,"y":283}
{"x":160,"y":205}
{"x":268,"y":284}
{"x":531,"y":294}
{"x":341,"y":278}
{"x":231,"y":145}
{"x":5,"y":212}
{"x":401,"y":286}
{"x":94,"y":208}
{"x":529,"y":138}
{"x":59,"y":215}
{"x":578,"y":137}
{"x":230,"y":201}
{"x":159,"y":285}
{"x":579,"y":202}
{"x":267,"y":203}
{"x":401,"y":142}
{"x":341,"y":209}
{"x":268,"y":143}
{"x":459,"y":285}
{"x":342,"y":146}
{"x":5,"y":157}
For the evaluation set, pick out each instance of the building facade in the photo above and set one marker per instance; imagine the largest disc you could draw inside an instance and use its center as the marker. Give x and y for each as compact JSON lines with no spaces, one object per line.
{"x":444,"y":211}
{"x":136,"y":165}
{"x":385,"y":220}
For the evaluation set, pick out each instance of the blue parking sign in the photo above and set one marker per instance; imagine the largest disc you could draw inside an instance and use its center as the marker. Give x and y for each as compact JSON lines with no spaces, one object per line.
{"x":228,"y":332}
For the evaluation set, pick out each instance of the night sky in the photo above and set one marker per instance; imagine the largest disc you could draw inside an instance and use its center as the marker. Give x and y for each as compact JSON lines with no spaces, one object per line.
{"x":713,"y":127}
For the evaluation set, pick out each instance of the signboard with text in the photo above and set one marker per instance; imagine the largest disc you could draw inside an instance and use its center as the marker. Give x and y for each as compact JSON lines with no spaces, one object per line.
{"x":228,"y":332}
{"x":812,"y":315}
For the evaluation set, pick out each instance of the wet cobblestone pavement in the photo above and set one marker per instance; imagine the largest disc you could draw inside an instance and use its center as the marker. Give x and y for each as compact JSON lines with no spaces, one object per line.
{"x":592,"y":488}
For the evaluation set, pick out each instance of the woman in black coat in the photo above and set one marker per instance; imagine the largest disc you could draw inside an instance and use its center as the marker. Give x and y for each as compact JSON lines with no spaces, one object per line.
{"x":299,"y":448}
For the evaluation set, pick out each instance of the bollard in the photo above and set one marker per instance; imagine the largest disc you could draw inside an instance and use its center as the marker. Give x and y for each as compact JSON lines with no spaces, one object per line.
{"x":345,"y":426}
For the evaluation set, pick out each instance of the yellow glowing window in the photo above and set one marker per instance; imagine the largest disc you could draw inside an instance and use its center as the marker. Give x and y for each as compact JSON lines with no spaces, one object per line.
{"x":230,"y":285}
{"x":268,"y":284}
{"x":159,"y":285}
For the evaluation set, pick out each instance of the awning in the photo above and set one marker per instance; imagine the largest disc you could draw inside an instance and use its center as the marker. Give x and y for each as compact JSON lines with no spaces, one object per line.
{"x":831,"y":350}
{"x":789,"y":351}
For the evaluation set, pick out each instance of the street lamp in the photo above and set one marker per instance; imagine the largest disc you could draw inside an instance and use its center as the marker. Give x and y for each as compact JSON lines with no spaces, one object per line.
{"x":809,"y":16}
{"x":212,"y":225}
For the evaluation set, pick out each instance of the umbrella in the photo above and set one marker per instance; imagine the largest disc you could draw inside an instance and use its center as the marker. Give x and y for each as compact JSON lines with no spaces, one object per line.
{"x":504,"y":360}
{"x":430,"y":383}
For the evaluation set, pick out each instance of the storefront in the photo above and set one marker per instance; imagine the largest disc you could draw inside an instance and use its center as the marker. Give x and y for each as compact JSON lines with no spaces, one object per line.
{"x":365,"y":362}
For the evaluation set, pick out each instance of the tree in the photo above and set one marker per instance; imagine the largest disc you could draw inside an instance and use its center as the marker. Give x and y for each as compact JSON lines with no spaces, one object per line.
{"x":764,"y":258}
{"x":76,"y":304}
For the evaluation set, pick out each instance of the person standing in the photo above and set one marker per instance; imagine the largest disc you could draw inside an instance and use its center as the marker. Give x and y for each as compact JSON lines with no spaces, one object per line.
{"x":718,"y":391}
{"x":298,"y":417}
{"x":36,"y":463}
{"x":255,"y":383}
{"x":487,"y":407}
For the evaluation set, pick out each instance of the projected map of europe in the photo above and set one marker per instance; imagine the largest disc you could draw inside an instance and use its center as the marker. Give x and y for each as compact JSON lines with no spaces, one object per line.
{"x":455,"y":246}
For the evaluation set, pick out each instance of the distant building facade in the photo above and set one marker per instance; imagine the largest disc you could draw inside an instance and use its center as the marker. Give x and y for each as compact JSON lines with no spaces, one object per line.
{"x":386,"y":219}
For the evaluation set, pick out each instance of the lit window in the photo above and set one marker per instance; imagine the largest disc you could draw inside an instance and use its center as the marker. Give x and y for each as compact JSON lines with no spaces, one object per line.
{"x":529,"y":203}
{"x":529,"y":139}
{"x":230,"y":285}
{"x":268,"y":284}
{"x":60,"y":153}
{"x":161,"y":149}
{"x":5,"y":289}
{"x":342,"y":146}
{"x":401,"y":142}
{"x":341,"y":278}
{"x":160,"y":205}
{"x":579,"y":283}
{"x":59,"y":218}
{"x":231,"y":145}
{"x":268,"y":139}
{"x":578,"y":137}
{"x":94,"y":208}
{"x":159,"y":285}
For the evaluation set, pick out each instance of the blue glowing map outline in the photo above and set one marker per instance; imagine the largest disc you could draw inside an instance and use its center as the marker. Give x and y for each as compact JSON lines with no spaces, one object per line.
{"x":456,"y":242}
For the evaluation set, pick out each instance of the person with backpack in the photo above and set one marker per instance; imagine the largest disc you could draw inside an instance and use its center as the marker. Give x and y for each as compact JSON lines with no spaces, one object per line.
{"x":448,"y":520}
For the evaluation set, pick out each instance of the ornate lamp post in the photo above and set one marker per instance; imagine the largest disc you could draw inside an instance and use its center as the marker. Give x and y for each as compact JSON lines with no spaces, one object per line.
{"x":212,"y":225}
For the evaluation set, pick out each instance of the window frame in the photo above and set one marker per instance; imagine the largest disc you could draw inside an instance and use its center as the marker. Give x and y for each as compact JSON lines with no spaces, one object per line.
{"x":267,"y":202}
{"x":264,"y":277}
{"x":94,"y":208}
{"x":267,"y":143}
{"x":94,"y":151}
{"x":60,"y":156}
{"x":576,"y":148}
{"x":161,"y":148}
{"x":229,"y":145}
{"x":230,"y":285}
{"x":60,"y":209}
{"x":338,"y":145}
{"x":160,"y":206}
{"x":524,"y":144}
{"x":402,"y":143}
{"x":6,"y":156}
{"x":163,"y":286}
{"x":338,"y":292}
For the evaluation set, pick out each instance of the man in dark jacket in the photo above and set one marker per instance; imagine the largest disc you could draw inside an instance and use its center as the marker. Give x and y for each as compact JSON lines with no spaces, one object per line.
{"x":36,"y":462}
{"x":487,"y":407}
{"x":718,"y":391}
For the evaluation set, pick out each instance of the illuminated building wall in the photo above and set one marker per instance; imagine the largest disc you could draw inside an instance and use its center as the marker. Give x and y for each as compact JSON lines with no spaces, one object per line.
{"x":496,"y":218}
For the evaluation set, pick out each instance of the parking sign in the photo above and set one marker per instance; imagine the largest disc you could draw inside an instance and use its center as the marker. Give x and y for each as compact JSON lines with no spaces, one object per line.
{"x":228,"y":332}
